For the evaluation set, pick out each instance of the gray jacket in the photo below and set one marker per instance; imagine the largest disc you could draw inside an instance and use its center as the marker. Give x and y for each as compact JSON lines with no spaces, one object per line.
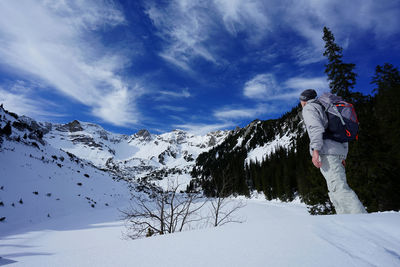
{"x":316,"y":122}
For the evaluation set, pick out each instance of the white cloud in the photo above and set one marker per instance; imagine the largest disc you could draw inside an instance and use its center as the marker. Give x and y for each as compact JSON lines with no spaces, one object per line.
{"x":308,"y":17}
{"x":306,"y":55}
{"x":184,"y":26}
{"x":189,"y":27}
{"x":55,"y":42}
{"x":171,"y":108}
{"x":265,"y":91}
{"x":178,"y":59}
{"x":302,"y":83}
{"x":240,"y":113}
{"x":264,"y":87}
{"x":171,"y":94}
{"x":116,"y":107}
{"x":21,"y":102}
{"x":245,"y":16}
{"x":261,"y":86}
{"x":299,"y":84}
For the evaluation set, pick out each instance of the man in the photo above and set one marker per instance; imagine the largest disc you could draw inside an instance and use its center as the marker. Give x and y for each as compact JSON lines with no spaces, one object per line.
{"x":328,"y":155}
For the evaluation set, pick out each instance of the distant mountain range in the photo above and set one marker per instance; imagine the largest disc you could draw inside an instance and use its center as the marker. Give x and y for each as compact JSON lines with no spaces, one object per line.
{"x":52,"y":169}
{"x":139,"y":157}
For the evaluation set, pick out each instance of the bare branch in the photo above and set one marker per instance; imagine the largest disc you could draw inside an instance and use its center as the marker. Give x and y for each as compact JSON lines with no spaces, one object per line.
{"x":164,"y":212}
{"x":221,"y":213}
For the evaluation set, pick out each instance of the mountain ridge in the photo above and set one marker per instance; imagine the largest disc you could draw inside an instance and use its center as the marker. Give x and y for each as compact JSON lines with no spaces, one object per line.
{"x":141,"y":156}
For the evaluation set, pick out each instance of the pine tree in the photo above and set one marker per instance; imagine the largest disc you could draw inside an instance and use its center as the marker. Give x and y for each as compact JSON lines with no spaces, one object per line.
{"x":340,"y":75}
{"x":387,"y":79}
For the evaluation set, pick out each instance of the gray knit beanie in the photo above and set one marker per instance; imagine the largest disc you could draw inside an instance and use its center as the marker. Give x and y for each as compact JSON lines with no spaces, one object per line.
{"x":308,"y":94}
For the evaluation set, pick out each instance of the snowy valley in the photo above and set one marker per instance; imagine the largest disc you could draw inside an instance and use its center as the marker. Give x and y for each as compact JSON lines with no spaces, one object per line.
{"x":62,"y":185}
{"x":49,"y":170}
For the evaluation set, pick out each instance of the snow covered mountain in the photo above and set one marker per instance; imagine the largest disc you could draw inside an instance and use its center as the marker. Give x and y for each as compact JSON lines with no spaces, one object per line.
{"x":39,"y":182}
{"x":243,"y":157}
{"x":141,"y":157}
{"x":53,"y":170}
{"x":48,"y":169}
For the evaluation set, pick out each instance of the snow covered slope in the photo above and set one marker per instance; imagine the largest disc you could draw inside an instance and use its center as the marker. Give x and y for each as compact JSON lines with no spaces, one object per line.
{"x":39,"y":182}
{"x":49,"y":170}
{"x":274,"y":234}
{"x":259,"y":153}
{"x":36,"y":186}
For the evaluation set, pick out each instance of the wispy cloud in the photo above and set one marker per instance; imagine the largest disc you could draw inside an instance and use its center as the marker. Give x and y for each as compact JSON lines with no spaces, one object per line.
{"x":264,"y":91}
{"x":20,"y":101}
{"x":308,"y":18}
{"x":243,"y":113}
{"x":245,"y":16}
{"x":171,"y":108}
{"x":264,"y":87}
{"x":261,"y":86}
{"x":184,"y":26}
{"x":172,"y":94}
{"x":188,"y":26}
{"x":301,"y":83}
{"x":305,"y":55}
{"x":55,"y":42}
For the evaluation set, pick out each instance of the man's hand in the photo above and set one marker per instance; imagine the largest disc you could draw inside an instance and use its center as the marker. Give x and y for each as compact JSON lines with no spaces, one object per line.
{"x":344,"y":163}
{"x":315,"y":159}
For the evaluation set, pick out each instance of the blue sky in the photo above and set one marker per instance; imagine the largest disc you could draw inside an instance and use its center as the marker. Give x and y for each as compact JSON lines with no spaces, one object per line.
{"x":197,"y":65}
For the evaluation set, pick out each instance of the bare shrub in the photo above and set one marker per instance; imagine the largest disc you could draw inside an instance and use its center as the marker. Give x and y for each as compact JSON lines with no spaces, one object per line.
{"x":159,"y":212}
{"x":162,"y":212}
{"x":223,"y":209}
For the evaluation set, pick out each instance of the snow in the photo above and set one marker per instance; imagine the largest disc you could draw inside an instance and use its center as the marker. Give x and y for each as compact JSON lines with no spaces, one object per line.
{"x":50,"y":185}
{"x":239,"y":142}
{"x":74,"y":219}
{"x":260,"y":153}
{"x":274,"y":234}
{"x":136,"y":156}
{"x":180,"y":180}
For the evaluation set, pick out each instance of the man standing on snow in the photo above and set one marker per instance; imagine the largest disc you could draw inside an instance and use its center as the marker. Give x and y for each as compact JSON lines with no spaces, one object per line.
{"x":328,"y":155}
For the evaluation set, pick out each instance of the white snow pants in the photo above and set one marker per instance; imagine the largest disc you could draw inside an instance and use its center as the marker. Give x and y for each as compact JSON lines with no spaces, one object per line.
{"x":341,"y":195}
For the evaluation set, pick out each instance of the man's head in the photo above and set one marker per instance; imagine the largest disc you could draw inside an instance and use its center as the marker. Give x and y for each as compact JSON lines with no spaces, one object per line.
{"x":307,"y":95}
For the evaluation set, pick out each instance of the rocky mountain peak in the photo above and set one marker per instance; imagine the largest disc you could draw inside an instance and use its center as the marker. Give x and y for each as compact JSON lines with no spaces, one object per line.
{"x":143,"y":135}
{"x":73,"y":126}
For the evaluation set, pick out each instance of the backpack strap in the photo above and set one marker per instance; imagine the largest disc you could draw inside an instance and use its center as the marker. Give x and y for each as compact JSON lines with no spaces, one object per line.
{"x":322,"y":105}
{"x":337,"y":113}
{"x":332,"y":108}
